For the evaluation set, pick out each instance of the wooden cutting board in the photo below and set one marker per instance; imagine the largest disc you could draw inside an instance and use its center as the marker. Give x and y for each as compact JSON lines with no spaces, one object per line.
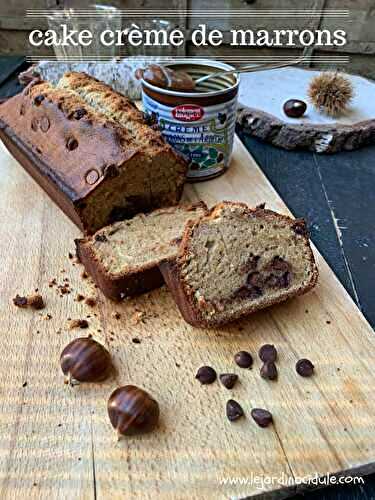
{"x":56,"y":441}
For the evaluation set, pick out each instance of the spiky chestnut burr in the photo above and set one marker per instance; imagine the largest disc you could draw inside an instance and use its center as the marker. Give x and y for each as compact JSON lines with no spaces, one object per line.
{"x":330,"y":92}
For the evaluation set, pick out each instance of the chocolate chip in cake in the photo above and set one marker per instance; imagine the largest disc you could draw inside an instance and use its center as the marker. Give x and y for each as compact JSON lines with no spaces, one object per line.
{"x":269,"y":371}
{"x":268,"y":353}
{"x":38,"y":99}
{"x":136,"y":341}
{"x":71,"y":144}
{"x":262,"y":417}
{"x":234,"y":410}
{"x":228,"y":380}
{"x":261,"y":206}
{"x":206,"y":375}
{"x":304,"y":367}
{"x":79,"y":113}
{"x":243,"y":359}
{"x":255,"y":280}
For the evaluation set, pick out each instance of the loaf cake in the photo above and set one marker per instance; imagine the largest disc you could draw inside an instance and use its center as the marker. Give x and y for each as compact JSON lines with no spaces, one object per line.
{"x":123,"y":258}
{"x":96,"y":157}
{"x":236,"y":260}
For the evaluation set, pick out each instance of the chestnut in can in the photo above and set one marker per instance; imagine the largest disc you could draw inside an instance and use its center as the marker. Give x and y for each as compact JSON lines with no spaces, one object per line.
{"x":85,"y":360}
{"x":132,"y":411}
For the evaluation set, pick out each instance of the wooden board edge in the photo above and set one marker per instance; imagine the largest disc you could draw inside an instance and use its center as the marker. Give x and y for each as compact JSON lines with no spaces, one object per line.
{"x":313,"y":137}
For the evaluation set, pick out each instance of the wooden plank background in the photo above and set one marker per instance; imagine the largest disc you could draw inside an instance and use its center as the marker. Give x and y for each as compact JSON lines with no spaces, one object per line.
{"x":360,"y":27}
{"x":56,"y":442}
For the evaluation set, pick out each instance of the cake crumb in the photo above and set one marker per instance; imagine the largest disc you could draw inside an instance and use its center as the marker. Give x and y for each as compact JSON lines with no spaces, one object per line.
{"x":35,"y":301}
{"x":78,"y":323}
{"x":90,"y":301}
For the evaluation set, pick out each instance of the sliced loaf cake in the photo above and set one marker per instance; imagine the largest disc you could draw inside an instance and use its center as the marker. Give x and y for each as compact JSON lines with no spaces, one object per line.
{"x":123,"y":258}
{"x":236,"y":260}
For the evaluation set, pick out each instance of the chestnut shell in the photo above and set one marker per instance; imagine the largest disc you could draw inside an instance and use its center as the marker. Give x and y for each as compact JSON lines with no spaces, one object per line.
{"x":294,"y":108}
{"x":85,"y":360}
{"x":132,"y":410}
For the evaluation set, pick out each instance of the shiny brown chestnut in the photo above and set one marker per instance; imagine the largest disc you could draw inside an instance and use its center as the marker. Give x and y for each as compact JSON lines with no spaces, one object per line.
{"x":85,"y":360}
{"x":132,"y":411}
{"x":294,"y":108}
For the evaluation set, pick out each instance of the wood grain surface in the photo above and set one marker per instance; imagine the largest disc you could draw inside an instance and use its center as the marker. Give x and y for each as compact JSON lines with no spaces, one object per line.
{"x":57,"y":442}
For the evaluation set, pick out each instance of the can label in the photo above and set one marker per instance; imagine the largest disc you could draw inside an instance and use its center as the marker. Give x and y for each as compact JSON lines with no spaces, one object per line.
{"x":202,"y":134}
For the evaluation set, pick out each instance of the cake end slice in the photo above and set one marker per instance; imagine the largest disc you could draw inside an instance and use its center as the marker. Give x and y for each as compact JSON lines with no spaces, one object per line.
{"x":123,"y":258}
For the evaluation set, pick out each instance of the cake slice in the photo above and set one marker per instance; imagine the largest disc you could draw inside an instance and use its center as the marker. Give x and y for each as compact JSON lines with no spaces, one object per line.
{"x":123,"y":258}
{"x":236,"y":260}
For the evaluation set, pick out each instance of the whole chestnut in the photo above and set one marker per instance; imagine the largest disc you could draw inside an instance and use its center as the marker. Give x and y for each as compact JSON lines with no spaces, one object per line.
{"x":295,"y":108}
{"x":132,"y":411}
{"x":85,"y":360}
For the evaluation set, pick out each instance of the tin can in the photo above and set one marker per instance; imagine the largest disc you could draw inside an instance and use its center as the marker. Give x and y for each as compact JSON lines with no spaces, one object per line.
{"x":200,"y":124}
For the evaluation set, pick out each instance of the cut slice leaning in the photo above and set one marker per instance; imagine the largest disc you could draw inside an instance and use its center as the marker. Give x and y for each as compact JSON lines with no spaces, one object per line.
{"x":237,"y":260}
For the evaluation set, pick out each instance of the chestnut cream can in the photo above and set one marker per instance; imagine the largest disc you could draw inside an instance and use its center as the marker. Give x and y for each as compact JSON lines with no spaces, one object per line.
{"x":200,"y":124}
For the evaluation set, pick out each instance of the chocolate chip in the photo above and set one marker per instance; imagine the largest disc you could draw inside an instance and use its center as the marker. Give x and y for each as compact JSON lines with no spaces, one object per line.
{"x":228,"y":379}
{"x":206,"y":375}
{"x":261,"y":206}
{"x":39,"y":99}
{"x":304,"y":367}
{"x":101,"y":237}
{"x":71,"y":144}
{"x":268,"y":353}
{"x":285,"y":280}
{"x":262,"y":417}
{"x":269,"y":371}
{"x":136,"y":341}
{"x":234,"y":410}
{"x":243,"y":359}
{"x":79,"y":113}
{"x":20,"y":301}
{"x":36,"y":301}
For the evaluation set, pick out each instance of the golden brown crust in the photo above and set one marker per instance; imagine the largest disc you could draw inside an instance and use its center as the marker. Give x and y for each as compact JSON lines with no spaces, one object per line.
{"x":74,"y":151}
{"x":120,"y":109}
{"x":184,"y":295}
